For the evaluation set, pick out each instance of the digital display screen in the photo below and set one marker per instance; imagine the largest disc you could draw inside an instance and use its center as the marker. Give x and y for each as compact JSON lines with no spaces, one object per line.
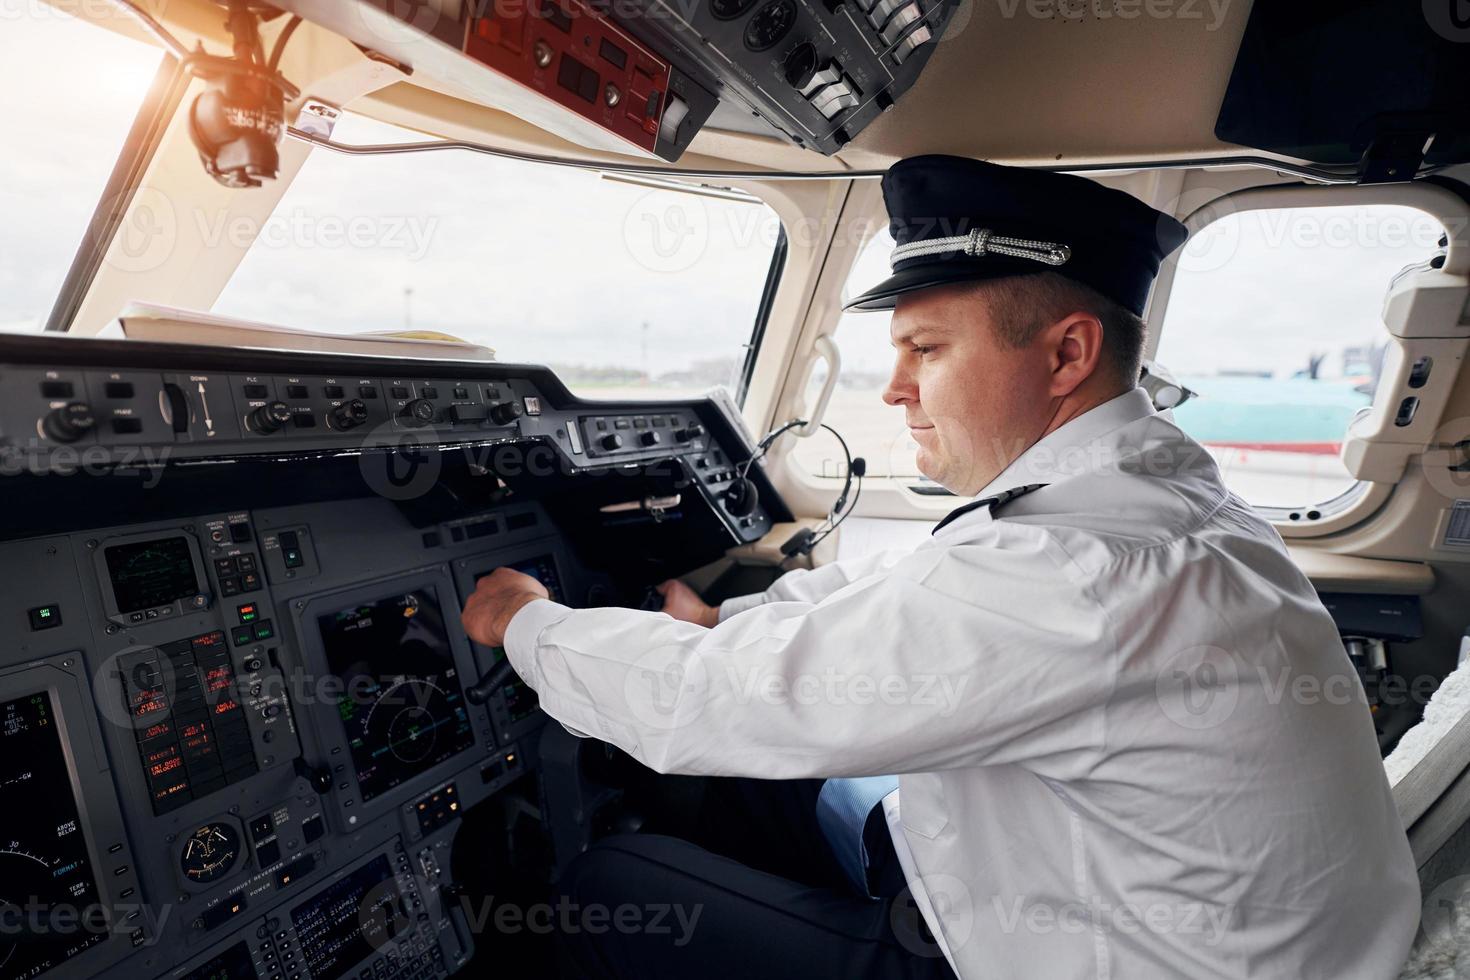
{"x":233,"y":964}
{"x":48,"y":891}
{"x":348,"y":920}
{"x":190,"y":728}
{"x":401,"y":706}
{"x":151,"y":573}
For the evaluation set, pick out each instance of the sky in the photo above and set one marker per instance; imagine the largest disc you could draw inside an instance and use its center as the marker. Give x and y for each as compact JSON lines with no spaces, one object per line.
{"x":566,"y":267}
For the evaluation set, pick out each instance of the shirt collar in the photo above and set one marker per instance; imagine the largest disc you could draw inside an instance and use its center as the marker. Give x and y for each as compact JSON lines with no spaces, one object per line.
{"x":1076,"y":447}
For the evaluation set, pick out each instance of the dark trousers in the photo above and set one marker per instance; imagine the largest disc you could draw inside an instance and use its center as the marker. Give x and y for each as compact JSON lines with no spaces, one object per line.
{"x":743,"y":886}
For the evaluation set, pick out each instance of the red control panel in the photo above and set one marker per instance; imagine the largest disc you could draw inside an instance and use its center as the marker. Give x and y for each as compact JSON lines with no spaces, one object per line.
{"x":578,"y":57}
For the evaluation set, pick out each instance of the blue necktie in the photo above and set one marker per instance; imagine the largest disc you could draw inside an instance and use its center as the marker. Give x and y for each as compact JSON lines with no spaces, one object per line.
{"x":843,"y":807}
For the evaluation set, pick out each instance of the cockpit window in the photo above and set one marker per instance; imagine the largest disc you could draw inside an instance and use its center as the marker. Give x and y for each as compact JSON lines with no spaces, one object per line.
{"x":1275,"y":322}
{"x":62,"y":134}
{"x":627,"y":290}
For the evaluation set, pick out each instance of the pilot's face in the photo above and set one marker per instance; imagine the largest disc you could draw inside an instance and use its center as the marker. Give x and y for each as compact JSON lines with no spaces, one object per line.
{"x":971,"y":403}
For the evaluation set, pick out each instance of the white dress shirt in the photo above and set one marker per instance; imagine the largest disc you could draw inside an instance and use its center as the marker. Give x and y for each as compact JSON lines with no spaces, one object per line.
{"x":1130,"y":740}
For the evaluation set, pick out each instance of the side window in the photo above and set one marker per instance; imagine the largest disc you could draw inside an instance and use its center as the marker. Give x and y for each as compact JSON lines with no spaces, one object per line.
{"x":873,"y":430}
{"x":1275,"y":322}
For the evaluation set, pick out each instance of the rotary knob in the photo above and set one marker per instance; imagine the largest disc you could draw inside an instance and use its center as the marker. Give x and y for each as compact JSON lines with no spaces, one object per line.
{"x":693,"y":431}
{"x":349,"y":415}
{"x":650,"y":438}
{"x":69,"y":422}
{"x":418,"y":412}
{"x":612,"y":442}
{"x":505,"y":413}
{"x":268,"y":418}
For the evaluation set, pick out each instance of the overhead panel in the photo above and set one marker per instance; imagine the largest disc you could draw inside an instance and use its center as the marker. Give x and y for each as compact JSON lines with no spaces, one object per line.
{"x":643,"y":76}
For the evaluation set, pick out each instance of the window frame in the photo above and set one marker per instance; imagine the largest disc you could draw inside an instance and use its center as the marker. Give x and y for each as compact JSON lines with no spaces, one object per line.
{"x":1365,"y":497}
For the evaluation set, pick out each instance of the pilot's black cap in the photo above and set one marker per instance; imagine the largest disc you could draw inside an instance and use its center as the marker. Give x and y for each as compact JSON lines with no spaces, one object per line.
{"x":958,"y":220}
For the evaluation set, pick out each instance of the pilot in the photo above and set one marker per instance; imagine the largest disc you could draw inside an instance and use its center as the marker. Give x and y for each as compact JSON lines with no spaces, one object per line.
{"x":1126,"y":738}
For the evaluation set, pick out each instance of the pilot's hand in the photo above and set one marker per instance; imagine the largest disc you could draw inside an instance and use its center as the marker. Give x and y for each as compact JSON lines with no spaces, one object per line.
{"x":495,"y":601}
{"x":681,"y":602}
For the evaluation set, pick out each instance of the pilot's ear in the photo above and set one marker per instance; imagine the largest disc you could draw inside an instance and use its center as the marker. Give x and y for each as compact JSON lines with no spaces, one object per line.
{"x":1075,"y":344}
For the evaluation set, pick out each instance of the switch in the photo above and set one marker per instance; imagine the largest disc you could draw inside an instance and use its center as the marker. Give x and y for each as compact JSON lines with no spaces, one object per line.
{"x":291,"y":549}
{"x":57,"y":389}
{"x":45,"y":617}
{"x":911,"y":42}
{"x":835,"y":98}
{"x":249,"y":612}
{"x":828,"y":74}
{"x":268,"y":853}
{"x":126,"y":426}
{"x":676,"y":110}
{"x":119,"y":390}
{"x":899,"y":23}
{"x":265,"y":629}
{"x":880,"y":11}
{"x":239,"y":532}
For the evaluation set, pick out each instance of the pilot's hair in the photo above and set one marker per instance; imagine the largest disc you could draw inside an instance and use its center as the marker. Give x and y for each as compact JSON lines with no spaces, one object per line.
{"x":1022,"y":305}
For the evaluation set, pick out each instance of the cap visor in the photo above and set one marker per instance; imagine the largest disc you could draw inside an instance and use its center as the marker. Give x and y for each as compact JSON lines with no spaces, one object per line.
{"x":884,"y":296}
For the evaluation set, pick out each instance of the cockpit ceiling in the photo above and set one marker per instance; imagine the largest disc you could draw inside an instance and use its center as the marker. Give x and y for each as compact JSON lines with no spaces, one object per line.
{"x":1018,"y":81}
{"x":1021,"y":81}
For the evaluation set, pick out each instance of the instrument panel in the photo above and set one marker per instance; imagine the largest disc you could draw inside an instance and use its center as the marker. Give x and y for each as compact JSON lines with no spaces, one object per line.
{"x":240,"y":740}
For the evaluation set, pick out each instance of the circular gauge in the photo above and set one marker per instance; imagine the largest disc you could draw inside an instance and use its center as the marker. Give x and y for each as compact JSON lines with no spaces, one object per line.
{"x":210,"y":852}
{"x":412,"y":733}
{"x":770,"y":24}
{"x":729,"y":9}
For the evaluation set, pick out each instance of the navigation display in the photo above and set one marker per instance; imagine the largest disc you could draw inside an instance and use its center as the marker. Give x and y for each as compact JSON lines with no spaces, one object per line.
{"x":48,"y":891}
{"x":401,"y":705}
{"x":347,"y":920}
{"x":151,"y":573}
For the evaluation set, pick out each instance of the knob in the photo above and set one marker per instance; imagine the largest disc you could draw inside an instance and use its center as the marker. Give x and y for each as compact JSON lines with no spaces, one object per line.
{"x":612,"y":441}
{"x":505,"y":413}
{"x":69,"y":422}
{"x":741,"y":498}
{"x":693,"y":431}
{"x":268,"y":418}
{"x":420,"y":411}
{"x":650,"y":438}
{"x":801,"y":65}
{"x":320,"y":777}
{"x":349,"y":415}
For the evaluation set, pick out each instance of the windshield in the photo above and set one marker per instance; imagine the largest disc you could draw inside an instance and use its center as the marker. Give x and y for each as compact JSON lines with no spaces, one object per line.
{"x":59,"y":150}
{"x":626,"y":290}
